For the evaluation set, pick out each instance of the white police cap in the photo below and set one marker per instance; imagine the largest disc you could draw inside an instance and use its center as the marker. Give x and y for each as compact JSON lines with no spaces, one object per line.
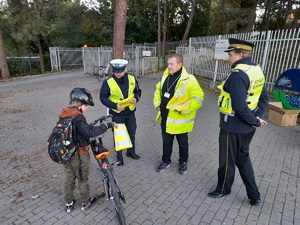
{"x":118,"y":65}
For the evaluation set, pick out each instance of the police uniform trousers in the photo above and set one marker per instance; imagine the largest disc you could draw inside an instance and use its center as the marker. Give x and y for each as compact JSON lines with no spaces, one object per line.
{"x":168,"y":139}
{"x":130,"y":123}
{"x":234,"y":151}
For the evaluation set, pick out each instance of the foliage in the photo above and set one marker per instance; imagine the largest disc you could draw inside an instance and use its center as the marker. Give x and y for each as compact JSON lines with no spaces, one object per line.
{"x":283,"y":14}
{"x":22,"y":67}
{"x":31,"y":27}
{"x":200,"y":22}
{"x":141,"y":24}
{"x":228,"y":16}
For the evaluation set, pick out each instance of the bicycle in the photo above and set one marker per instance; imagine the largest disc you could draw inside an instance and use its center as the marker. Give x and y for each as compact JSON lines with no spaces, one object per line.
{"x":111,"y":186}
{"x":101,"y":72}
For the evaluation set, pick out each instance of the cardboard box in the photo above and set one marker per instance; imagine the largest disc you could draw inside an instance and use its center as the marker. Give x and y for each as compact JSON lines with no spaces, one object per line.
{"x":282,"y":117}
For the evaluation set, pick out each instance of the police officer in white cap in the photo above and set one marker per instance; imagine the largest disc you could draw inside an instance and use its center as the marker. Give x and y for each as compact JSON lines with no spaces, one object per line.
{"x":119,"y":86}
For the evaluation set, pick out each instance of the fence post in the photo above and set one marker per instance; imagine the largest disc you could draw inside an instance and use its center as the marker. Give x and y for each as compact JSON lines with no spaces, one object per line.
{"x":190,"y":61}
{"x":137,"y":61}
{"x":58,"y":59}
{"x":263,"y":64}
{"x":83,"y":59}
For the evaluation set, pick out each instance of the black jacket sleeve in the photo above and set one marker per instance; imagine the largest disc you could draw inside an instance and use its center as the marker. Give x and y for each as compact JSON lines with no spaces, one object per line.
{"x":262,"y":103}
{"x":137,"y":91}
{"x":85,"y":131}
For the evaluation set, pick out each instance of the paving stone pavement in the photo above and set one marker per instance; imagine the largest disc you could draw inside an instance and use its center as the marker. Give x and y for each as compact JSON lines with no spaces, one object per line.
{"x":31,"y":185}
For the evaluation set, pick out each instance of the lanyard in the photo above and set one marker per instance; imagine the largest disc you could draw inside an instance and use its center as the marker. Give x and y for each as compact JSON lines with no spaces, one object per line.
{"x":168,"y":88}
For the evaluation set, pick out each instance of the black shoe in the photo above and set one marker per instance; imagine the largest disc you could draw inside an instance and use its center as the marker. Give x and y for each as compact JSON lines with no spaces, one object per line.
{"x":255,"y":202}
{"x":182,"y":168}
{"x":133,"y":155}
{"x":120,"y":162}
{"x":162,"y":166}
{"x":216,"y":194}
{"x":85,"y":206}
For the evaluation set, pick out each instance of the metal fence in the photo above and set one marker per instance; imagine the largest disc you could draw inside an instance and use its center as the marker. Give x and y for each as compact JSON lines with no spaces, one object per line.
{"x":275,"y":51}
{"x":93,"y":58}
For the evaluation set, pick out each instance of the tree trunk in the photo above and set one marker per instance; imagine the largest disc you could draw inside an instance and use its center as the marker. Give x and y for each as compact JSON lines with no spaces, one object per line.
{"x":164,"y":30}
{"x":42,"y":65}
{"x":208,"y":10}
{"x":119,"y":28}
{"x":4,"y":72}
{"x":188,"y":27}
{"x":158,"y":30}
{"x":266,"y":18}
{"x":250,"y":7}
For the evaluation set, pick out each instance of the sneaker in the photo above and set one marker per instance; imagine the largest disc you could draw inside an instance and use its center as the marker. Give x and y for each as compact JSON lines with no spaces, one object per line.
{"x":85,"y":206}
{"x":162,"y":166}
{"x":182,"y":168}
{"x":69,"y":207}
{"x":120,"y":162}
{"x":255,"y":202}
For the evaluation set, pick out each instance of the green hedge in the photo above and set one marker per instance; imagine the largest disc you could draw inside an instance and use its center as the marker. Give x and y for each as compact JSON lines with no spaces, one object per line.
{"x":22,"y":66}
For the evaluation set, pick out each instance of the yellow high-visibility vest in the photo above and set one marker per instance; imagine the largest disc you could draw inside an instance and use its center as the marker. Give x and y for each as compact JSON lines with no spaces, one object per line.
{"x":257,"y":81}
{"x":187,"y":99}
{"x":116,"y":94}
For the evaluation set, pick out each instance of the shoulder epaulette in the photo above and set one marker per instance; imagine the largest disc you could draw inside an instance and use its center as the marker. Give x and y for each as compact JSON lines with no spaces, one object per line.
{"x":235,"y":70}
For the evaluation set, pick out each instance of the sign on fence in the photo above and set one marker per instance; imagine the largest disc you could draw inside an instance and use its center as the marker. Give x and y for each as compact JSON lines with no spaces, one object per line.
{"x":221,"y":46}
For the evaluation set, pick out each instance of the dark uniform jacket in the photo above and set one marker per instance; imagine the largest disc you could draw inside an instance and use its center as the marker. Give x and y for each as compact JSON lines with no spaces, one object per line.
{"x":169,"y":87}
{"x":123,"y":83}
{"x":84,"y":131}
{"x":237,"y":86}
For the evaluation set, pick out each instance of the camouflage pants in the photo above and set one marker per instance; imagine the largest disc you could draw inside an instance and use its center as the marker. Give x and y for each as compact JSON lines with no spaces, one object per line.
{"x":78,"y":168}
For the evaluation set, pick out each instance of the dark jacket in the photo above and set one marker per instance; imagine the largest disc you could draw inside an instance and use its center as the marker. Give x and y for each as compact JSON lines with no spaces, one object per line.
{"x":123,"y":83}
{"x":168,"y":87}
{"x":84,"y":131}
{"x":237,"y":86}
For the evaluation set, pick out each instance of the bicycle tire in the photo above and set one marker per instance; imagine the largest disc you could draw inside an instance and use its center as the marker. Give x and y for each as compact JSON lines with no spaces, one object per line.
{"x":116,"y":197}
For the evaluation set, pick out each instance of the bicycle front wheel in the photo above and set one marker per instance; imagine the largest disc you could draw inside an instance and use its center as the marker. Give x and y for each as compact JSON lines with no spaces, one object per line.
{"x":115,"y":197}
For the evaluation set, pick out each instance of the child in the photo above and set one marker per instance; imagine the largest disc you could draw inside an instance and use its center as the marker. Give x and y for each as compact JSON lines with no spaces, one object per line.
{"x":79,"y":167}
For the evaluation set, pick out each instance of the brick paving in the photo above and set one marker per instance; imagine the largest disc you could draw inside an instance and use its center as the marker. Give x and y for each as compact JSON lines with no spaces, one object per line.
{"x":31,"y":185}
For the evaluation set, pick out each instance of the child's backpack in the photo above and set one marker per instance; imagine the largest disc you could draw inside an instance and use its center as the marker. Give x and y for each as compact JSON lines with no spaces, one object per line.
{"x":61,"y":146}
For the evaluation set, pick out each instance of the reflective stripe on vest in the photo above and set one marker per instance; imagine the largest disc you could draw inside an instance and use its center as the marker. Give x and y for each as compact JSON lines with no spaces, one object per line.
{"x":257,"y":80}
{"x":121,"y":137}
{"x":176,"y":121}
{"x":116,"y":94}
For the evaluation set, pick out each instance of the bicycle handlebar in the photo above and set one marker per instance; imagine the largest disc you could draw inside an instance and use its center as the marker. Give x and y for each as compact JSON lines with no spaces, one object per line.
{"x":101,"y":119}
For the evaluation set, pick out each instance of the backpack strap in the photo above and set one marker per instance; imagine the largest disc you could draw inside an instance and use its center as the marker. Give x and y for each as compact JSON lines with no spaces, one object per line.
{"x":76,"y":142}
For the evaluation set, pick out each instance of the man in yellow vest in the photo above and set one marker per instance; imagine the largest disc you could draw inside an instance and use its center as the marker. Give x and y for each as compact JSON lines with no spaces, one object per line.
{"x":242,"y":102}
{"x":177,"y":97}
{"x":120,"y":93}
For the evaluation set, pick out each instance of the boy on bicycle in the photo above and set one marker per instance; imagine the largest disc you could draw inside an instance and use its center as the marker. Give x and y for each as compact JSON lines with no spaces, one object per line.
{"x":79,"y":166}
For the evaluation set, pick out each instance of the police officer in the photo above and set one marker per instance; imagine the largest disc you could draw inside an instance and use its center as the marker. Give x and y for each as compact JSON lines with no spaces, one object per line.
{"x":242,"y":102}
{"x":118,"y":87}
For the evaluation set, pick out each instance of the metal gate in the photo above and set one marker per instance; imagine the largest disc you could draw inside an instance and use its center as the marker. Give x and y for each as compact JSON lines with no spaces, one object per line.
{"x":276,"y":51}
{"x":65,"y":58}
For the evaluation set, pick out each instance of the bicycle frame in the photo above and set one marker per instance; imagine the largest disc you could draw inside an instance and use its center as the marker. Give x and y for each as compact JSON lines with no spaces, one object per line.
{"x":111,"y":186}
